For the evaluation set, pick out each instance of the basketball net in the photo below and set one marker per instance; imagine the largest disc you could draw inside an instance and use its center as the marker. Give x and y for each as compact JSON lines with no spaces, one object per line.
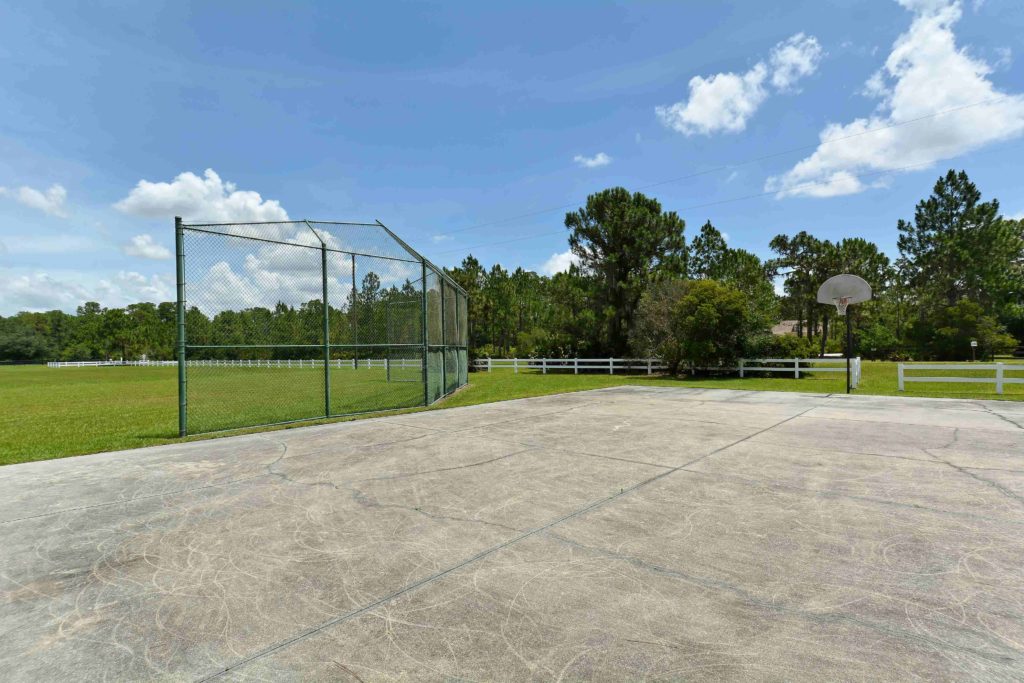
{"x":841,"y":304}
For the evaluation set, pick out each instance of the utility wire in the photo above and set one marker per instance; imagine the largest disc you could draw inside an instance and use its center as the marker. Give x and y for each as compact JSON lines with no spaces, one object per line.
{"x":736,"y":165}
{"x":694,"y":206}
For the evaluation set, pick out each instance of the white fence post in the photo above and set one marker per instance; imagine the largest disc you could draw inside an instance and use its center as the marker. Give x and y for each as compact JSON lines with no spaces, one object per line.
{"x":742,"y":365}
{"x":796,"y":368}
{"x":543,"y":366}
{"x":611,"y":366}
{"x":488,"y":364}
{"x":575,"y":366}
{"x":999,"y":378}
{"x":515,"y":366}
{"x":899,"y":377}
{"x":648,"y":366}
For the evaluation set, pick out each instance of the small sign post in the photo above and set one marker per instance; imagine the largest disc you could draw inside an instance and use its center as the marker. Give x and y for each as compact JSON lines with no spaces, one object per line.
{"x":974,"y":345}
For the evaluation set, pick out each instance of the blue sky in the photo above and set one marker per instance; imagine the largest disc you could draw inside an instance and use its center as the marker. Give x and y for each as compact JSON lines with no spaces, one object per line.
{"x":445,"y":121}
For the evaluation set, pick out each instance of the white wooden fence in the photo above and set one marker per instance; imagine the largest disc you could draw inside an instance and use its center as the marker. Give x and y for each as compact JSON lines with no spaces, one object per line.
{"x":650,"y":365}
{"x":999,"y":377}
{"x":802,"y":365}
{"x":105,"y":363}
{"x":250,"y":363}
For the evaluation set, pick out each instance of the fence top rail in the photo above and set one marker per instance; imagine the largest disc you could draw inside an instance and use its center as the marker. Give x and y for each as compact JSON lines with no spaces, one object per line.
{"x":795,"y":360}
{"x":794,"y":369}
{"x":959,"y":366}
{"x":303,"y":220}
{"x":957,"y":380}
{"x":570,"y":360}
{"x":333,"y":250}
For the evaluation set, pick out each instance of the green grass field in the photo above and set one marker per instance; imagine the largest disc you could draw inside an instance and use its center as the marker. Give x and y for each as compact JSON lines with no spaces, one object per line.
{"x":49,"y":413}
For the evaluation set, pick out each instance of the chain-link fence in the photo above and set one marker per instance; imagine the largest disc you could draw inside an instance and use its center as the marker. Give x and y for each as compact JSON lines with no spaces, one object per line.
{"x":298,"y":320}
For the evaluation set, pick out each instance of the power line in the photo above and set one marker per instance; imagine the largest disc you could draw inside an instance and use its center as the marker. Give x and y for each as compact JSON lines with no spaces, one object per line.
{"x":735,"y":165}
{"x":695,"y":206}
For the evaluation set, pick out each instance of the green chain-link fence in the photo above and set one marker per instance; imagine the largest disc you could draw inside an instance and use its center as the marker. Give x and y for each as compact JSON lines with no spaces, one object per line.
{"x":298,"y":320}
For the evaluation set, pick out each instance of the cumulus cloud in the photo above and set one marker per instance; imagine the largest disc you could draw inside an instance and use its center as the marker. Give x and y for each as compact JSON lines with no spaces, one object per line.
{"x":193,"y":198}
{"x":725,"y":102}
{"x":128,"y":287}
{"x":794,"y":58}
{"x":596,"y":161}
{"x":1004,"y":57}
{"x":51,"y":201}
{"x":38,"y":290}
{"x":722,"y":102}
{"x":40,"y":243}
{"x":559,"y":263}
{"x":144,"y":246}
{"x":924,"y":73}
{"x":263,"y":275}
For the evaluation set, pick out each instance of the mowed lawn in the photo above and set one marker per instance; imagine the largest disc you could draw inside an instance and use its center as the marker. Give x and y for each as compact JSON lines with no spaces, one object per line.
{"x":56,"y":412}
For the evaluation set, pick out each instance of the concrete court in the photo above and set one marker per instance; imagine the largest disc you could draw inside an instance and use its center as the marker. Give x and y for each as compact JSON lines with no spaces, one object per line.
{"x":620,"y":534}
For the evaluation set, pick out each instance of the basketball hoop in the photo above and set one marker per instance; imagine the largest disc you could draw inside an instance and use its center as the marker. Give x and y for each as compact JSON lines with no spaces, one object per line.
{"x":841,"y":291}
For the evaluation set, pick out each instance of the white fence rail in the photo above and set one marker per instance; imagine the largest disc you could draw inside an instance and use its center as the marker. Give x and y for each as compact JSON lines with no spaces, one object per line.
{"x":999,"y":377}
{"x":802,"y":365}
{"x":106,"y":363}
{"x":796,"y":366}
{"x":249,"y":363}
{"x":648,"y":365}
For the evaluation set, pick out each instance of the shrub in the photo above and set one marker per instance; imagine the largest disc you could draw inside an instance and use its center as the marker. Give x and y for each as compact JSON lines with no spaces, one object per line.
{"x":712,"y":323}
{"x":653,"y":334}
{"x":947,"y":333}
{"x":789,"y":346}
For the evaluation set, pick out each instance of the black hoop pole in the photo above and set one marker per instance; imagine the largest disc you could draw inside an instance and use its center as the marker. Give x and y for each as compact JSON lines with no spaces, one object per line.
{"x":849,"y":349}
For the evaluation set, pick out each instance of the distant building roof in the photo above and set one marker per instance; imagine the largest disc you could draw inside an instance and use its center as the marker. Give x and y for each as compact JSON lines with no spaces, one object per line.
{"x":784,"y":327}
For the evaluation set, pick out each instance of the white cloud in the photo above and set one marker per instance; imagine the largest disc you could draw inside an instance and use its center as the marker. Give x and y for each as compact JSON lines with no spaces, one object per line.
{"x":129,"y":287}
{"x":1005,"y":57}
{"x":722,"y":102}
{"x":725,"y":102}
{"x":1019,"y":216}
{"x":436,"y":239}
{"x":559,"y":263}
{"x":50,"y":244}
{"x":23,"y":290}
{"x":794,"y":58}
{"x":266,"y":274}
{"x":596,"y":161}
{"x":144,"y":246}
{"x":193,"y":198}
{"x":924,"y":73}
{"x":51,"y":201}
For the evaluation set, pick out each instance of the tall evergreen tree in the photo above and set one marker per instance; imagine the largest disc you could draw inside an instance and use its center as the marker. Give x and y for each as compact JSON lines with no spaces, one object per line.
{"x":625,"y":241}
{"x":959,"y":247}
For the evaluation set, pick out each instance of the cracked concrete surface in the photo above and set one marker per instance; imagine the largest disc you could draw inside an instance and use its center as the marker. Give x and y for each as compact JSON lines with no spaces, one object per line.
{"x":627,"y":533}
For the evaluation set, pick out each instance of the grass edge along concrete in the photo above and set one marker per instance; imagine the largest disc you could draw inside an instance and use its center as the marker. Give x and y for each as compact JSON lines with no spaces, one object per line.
{"x":52,"y":413}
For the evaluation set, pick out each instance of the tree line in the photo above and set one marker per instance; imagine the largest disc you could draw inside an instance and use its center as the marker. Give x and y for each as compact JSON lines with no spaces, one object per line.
{"x":639,"y":286}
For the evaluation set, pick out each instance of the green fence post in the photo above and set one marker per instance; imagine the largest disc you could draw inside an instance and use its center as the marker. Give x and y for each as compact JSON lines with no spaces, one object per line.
{"x":179,"y":245}
{"x":327,"y":334}
{"x":423,"y":308}
{"x":444,"y":344}
{"x":355,"y":318}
